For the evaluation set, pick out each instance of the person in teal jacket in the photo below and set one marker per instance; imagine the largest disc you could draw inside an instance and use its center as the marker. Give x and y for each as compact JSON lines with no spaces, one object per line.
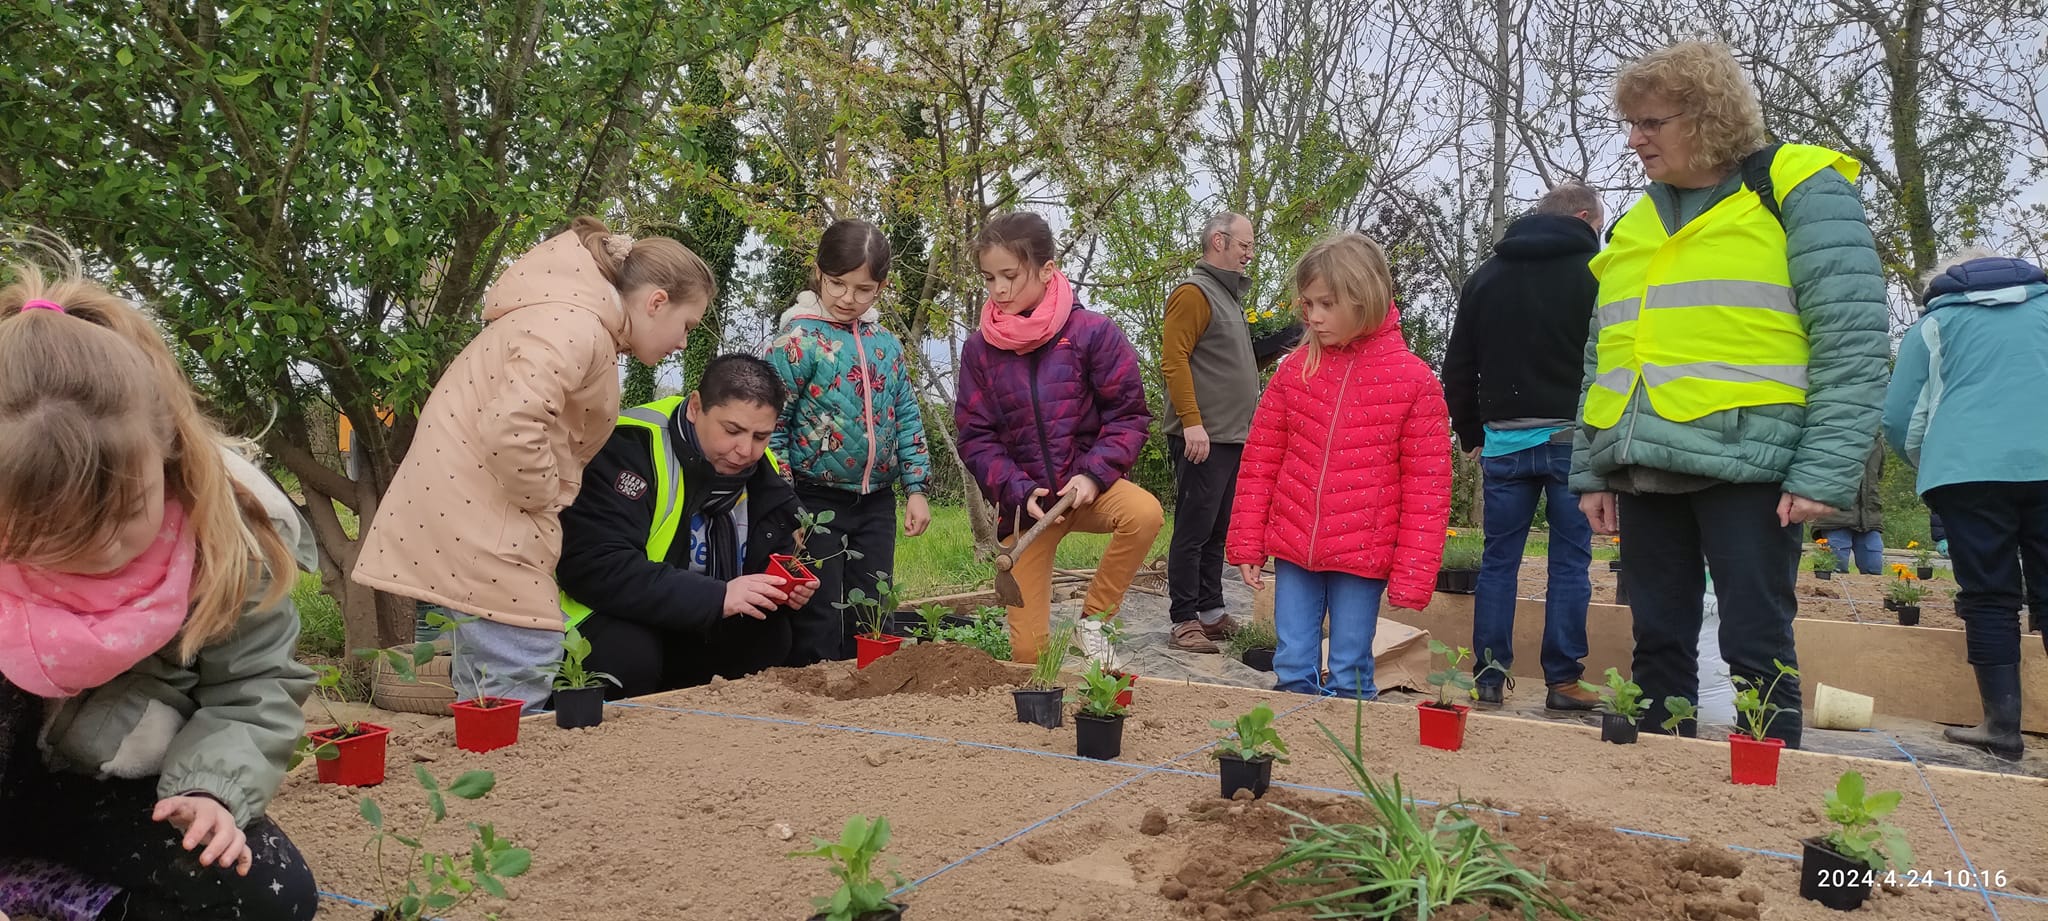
{"x":1731,"y":487}
{"x":851,"y":432}
{"x":1965,"y":409}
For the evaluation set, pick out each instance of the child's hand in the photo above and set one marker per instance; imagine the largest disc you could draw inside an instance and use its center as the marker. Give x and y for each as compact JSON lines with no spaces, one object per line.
{"x":917,"y":514}
{"x":1037,"y":510}
{"x":1253,"y":576}
{"x":204,"y":820}
{"x":1084,"y":489}
{"x":754,"y":596}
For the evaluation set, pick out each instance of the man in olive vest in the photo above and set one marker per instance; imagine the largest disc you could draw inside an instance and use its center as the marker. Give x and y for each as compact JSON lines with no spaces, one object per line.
{"x":1212,"y":385}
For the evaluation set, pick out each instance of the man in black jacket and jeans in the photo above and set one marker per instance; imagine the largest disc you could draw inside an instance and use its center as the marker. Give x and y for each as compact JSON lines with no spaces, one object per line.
{"x":665,"y":550}
{"x":1512,"y":380}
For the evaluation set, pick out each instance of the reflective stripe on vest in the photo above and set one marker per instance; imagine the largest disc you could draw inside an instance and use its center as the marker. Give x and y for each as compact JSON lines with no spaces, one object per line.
{"x":1706,"y":319}
{"x":668,"y":522}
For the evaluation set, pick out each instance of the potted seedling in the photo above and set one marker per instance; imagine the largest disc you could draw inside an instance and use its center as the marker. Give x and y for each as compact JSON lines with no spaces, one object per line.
{"x":1459,"y":574}
{"x":1903,"y":597}
{"x":1254,"y":642}
{"x":1112,"y":631}
{"x":1038,"y":701}
{"x":1923,"y":560}
{"x":1677,"y":712}
{"x":1822,"y":559}
{"x":1752,"y":756}
{"x":429,"y":884}
{"x":1443,"y":722}
{"x":1621,"y":704}
{"x":1614,"y":565}
{"x":1839,"y":867}
{"x":1246,"y":753}
{"x":1099,"y":722}
{"x":483,"y":723}
{"x":349,"y":753}
{"x":876,"y":615}
{"x":801,"y":568}
{"x":860,"y":896}
{"x":579,"y":692}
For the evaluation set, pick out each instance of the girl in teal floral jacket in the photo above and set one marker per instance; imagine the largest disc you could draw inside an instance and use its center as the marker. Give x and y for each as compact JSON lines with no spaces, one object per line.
{"x":850,"y":432}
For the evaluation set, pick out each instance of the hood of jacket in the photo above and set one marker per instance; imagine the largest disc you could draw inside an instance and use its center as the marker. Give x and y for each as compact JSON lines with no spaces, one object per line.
{"x":1544,"y":236}
{"x":809,"y":307}
{"x":559,"y":271}
{"x":1995,"y":282}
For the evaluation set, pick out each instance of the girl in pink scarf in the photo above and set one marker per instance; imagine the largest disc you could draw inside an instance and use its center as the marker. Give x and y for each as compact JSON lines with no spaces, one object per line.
{"x":128,"y":553}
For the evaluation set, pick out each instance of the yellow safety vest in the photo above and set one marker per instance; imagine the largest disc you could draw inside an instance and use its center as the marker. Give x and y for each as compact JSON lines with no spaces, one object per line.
{"x":1704,"y":319}
{"x":655,"y":417}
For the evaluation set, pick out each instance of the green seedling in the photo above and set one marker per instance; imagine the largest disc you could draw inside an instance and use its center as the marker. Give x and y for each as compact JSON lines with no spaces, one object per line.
{"x":1098,"y":692}
{"x":436,"y":883}
{"x":1861,"y":833}
{"x":1619,"y":696}
{"x":874,"y":614}
{"x":1904,"y":592}
{"x":1678,"y":710}
{"x":1045,"y":673}
{"x":853,"y":858}
{"x":326,"y":687}
{"x":988,"y":633}
{"x":1251,"y":736}
{"x":571,"y":674}
{"x":1453,"y":674}
{"x":1753,"y":703}
{"x":933,"y":626}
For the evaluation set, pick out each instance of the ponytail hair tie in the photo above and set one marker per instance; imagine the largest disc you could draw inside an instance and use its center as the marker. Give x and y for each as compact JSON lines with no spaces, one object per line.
{"x":618,"y":246}
{"x":40,"y":304}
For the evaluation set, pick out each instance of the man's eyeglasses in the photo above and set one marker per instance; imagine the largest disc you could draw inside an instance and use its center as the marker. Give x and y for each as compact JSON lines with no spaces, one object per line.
{"x":1245,"y":244}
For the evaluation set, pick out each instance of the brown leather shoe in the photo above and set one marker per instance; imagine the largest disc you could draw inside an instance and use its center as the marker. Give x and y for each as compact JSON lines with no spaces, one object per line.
{"x":1190,"y":637}
{"x":1570,"y":696}
{"x":1221,"y":629}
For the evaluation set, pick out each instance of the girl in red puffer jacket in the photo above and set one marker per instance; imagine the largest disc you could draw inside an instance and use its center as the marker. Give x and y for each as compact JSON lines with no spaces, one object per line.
{"x":1347,"y":473}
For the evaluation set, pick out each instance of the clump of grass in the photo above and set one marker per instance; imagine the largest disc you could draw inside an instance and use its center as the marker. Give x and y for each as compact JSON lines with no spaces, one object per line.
{"x":1253,"y":634}
{"x":321,"y":634}
{"x":1401,"y":863}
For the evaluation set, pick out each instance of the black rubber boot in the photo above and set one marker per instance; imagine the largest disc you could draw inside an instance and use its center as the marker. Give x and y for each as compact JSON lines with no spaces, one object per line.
{"x":1999,"y":734}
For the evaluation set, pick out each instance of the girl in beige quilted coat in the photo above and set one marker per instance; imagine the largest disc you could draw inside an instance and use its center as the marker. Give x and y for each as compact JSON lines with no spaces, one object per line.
{"x":471,"y":521}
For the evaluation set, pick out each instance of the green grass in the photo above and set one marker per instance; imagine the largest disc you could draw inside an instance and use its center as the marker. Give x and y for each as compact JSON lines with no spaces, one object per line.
{"x":320,"y":630}
{"x":941,"y":560}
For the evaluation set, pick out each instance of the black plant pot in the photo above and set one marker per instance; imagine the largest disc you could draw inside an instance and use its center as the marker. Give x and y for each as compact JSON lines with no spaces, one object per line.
{"x":1832,"y":879}
{"x":1824,"y":574}
{"x":1909,"y":615}
{"x":908,"y":623}
{"x":1890,"y":605}
{"x":1457,"y":581}
{"x":579,"y":709}
{"x":1098,"y":737}
{"x":1925,"y":573}
{"x":1617,"y":729}
{"x":1261,"y":659}
{"x":1039,"y":706}
{"x":893,"y":912}
{"x":1613,"y":565}
{"x":1238,"y":774}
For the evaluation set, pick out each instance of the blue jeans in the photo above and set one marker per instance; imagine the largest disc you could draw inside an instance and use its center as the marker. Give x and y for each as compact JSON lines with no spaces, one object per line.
{"x":1868,"y":547}
{"x":1514,"y":483}
{"x":1301,"y":599}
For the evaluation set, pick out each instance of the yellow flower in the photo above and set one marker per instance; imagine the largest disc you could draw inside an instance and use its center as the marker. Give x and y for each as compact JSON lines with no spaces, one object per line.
{"x":1821,"y":541}
{"x":1911,"y":544}
{"x":1451,"y":532}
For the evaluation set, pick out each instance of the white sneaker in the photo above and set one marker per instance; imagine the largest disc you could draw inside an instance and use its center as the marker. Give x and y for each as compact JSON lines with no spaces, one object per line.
{"x":1095,"y":644}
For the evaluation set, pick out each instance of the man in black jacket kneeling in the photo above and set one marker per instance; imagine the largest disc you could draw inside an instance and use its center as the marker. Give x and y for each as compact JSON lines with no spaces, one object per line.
{"x":666,"y":548}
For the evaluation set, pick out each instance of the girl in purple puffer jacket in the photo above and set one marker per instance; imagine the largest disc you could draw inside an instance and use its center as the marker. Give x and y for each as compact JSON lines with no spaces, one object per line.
{"x":1051,"y":403}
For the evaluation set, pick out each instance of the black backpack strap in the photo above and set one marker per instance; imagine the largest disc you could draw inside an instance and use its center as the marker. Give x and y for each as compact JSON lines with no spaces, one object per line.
{"x":1756,"y":174}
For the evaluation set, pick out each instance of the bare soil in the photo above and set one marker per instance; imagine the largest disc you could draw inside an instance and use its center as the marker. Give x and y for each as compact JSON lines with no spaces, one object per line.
{"x":1847,"y":596}
{"x":684,"y":805}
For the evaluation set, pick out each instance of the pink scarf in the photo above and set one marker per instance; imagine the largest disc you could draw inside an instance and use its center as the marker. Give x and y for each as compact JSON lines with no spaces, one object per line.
{"x":63,"y":634}
{"x":1023,"y":332}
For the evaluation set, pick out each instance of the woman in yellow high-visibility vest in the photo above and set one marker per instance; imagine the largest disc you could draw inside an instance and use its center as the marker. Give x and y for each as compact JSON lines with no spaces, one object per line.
{"x":1734,"y":371}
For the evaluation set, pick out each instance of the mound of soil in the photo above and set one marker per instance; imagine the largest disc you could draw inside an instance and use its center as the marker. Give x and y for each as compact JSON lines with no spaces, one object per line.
{"x":937,"y":669}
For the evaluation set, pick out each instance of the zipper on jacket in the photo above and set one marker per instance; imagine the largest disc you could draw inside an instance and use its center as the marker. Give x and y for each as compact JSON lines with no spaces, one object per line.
{"x":1635,"y":406}
{"x":1315,"y":525}
{"x":867,"y":401}
{"x":1038,"y":420}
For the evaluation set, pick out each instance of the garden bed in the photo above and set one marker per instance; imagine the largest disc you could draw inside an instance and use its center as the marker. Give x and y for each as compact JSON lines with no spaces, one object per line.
{"x":683,"y":805}
{"x":1846,"y":597}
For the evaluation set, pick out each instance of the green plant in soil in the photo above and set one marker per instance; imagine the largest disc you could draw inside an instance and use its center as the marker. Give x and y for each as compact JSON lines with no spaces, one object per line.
{"x":1251,"y":736}
{"x":1463,"y":551}
{"x":813,"y":524}
{"x":571,"y":674}
{"x":1619,"y":696}
{"x":1453,"y":674}
{"x":1904,"y":591}
{"x":1253,"y":634}
{"x":1401,"y":863}
{"x":1753,"y":706}
{"x":1098,"y":692}
{"x":932,"y":628}
{"x":875,"y":613}
{"x":1923,"y":557}
{"x":1045,"y":672}
{"x":435,"y":883}
{"x":326,"y":687}
{"x":853,"y":858}
{"x":1677,"y":710}
{"x":1821,"y":558}
{"x":1861,"y":833}
{"x":988,"y":633}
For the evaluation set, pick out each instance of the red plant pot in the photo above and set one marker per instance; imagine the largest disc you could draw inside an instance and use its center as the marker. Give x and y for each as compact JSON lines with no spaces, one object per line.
{"x":486,"y":723}
{"x":1123,"y":698}
{"x":360,"y":758}
{"x":867,"y":649}
{"x":1753,"y":762}
{"x":790,"y":570}
{"x":1442,"y":728}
